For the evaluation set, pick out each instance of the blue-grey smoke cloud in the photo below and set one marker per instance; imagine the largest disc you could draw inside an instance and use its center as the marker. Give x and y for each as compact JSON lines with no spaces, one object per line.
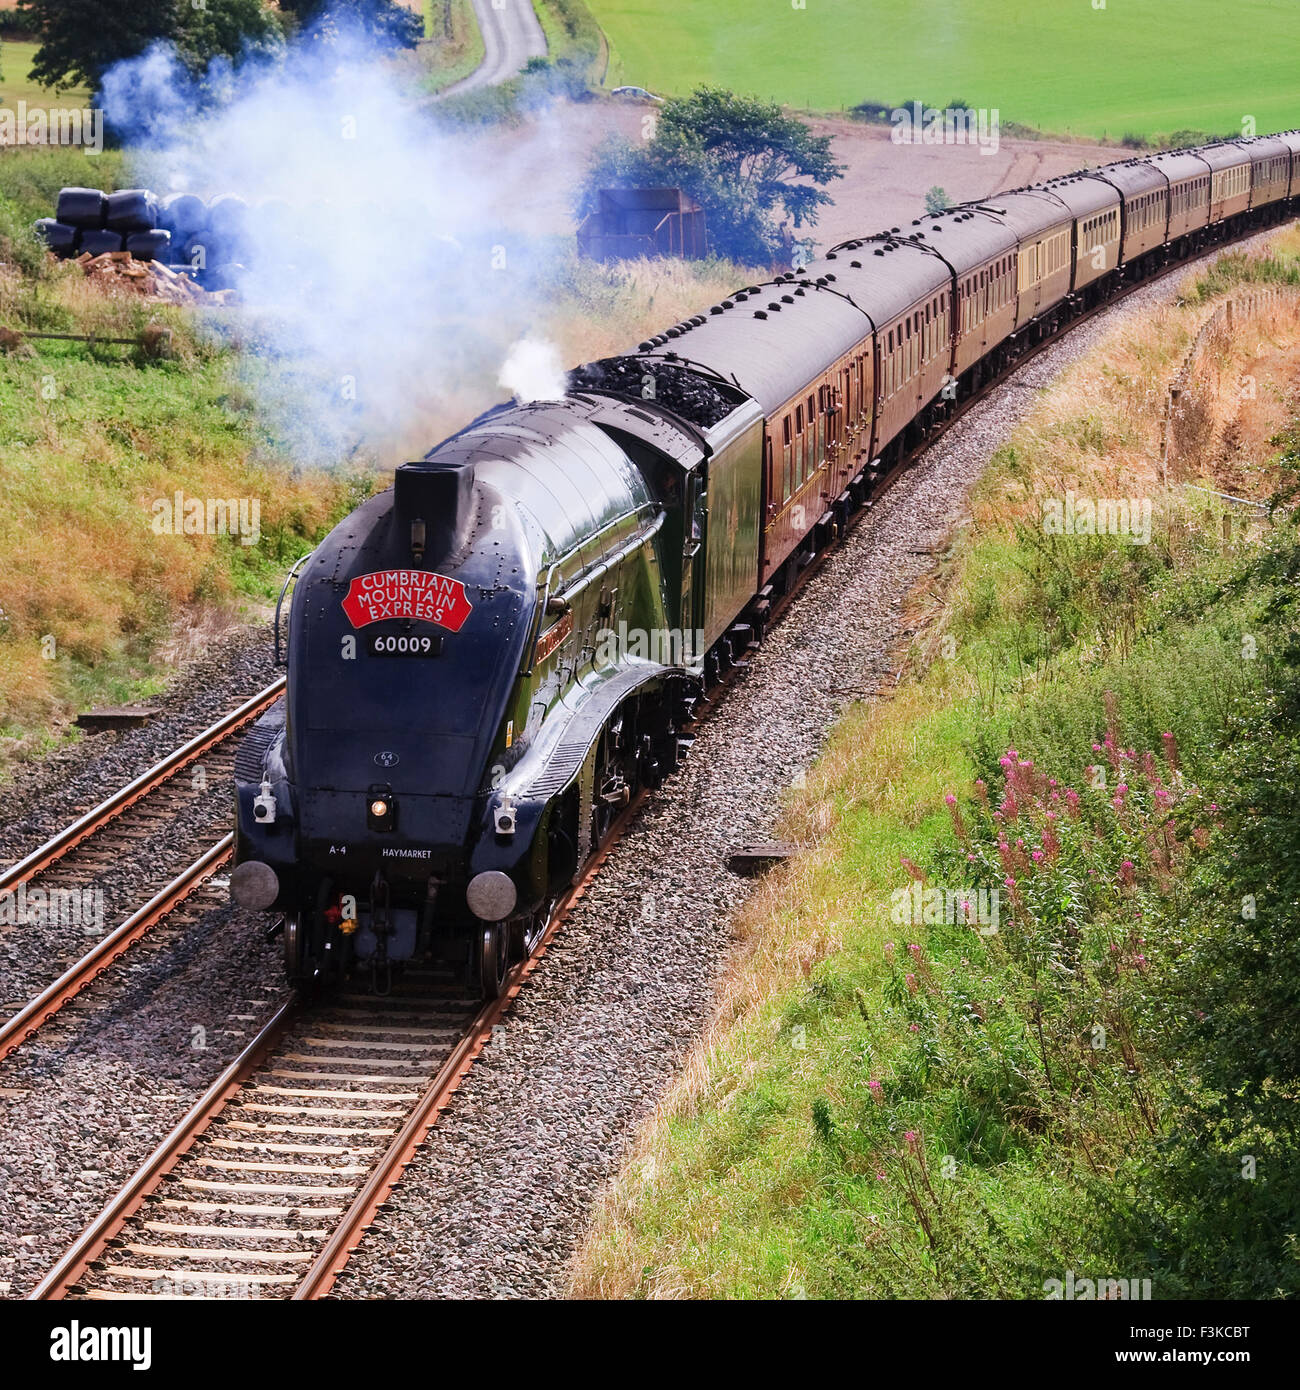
{"x":375,"y":286}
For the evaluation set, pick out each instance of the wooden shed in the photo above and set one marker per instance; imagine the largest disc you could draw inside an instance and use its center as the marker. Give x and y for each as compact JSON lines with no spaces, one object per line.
{"x":634,"y":222}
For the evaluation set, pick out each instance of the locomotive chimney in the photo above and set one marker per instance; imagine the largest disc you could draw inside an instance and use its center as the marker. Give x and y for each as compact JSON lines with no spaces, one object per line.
{"x":433,"y":507}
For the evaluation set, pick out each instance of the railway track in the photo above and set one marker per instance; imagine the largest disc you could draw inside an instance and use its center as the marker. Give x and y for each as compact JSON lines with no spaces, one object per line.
{"x":265,"y":1187}
{"x":84,"y":851}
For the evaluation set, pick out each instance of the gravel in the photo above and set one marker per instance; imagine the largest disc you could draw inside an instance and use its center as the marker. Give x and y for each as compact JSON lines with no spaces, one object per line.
{"x":85,"y":1103}
{"x":55,"y":790}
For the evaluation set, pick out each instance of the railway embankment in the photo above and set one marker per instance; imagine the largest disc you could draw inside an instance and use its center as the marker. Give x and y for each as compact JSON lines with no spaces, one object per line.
{"x":1018,"y":1019}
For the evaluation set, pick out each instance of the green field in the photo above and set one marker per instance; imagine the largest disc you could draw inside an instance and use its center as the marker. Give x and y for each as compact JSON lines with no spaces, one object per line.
{"x":1143,"y":66}
{"x":15,"y":84}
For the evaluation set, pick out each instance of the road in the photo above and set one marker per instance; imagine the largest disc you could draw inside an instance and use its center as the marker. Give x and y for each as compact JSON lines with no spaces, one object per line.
{"x":511,"y":36}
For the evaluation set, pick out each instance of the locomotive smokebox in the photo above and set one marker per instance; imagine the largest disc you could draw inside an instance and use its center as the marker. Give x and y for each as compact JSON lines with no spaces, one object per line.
{"x":433,"y":506}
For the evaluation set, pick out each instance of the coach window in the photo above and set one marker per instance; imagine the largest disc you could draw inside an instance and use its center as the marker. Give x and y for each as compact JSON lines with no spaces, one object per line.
{"x":815,"y":427}
{"x":785,"y":459}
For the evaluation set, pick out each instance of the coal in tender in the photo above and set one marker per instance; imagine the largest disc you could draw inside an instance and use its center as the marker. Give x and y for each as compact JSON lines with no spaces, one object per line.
{"x":693,"y":397}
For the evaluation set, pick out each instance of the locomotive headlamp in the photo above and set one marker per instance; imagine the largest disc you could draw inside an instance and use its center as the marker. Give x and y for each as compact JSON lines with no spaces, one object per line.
{"x":381,"y":809}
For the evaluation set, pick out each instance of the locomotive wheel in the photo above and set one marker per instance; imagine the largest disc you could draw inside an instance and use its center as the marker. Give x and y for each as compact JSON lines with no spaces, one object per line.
{"x":293,"y":946}
{"x":526,"y":932}
{"x":494,"y":959}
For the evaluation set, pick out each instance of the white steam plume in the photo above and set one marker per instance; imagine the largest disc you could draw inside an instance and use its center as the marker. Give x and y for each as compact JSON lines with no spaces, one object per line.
{"x":533,"y":371}
{"x":380,"y":291}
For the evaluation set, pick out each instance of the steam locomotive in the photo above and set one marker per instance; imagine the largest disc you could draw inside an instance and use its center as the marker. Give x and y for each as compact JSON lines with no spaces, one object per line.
{"x":487,"y":661}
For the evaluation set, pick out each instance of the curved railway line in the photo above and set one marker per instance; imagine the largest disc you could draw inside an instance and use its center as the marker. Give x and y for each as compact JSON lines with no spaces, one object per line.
{"x":267,"y":1184}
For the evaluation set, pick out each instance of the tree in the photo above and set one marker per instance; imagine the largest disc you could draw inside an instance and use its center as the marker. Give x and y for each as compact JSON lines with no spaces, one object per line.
{"x":224,"y":29}
{"x":382,"y":21}
{"x":81,"y":39}
{"x":935,"y":201}
{"x":746,"y":162}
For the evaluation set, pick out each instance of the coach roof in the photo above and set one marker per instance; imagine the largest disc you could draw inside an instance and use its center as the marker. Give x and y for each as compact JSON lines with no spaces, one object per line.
{"x":770,"y":339}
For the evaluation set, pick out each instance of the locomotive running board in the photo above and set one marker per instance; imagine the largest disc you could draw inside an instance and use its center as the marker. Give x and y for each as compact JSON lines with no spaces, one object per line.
{"x":566,"y":759}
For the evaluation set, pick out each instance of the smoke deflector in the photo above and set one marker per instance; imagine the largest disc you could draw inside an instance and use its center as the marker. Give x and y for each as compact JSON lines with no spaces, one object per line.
{"x":433,"y":504}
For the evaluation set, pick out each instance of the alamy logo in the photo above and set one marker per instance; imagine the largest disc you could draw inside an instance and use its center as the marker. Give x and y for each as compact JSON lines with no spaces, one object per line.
{"x":1098,"y":516}
{"x":917,"y":906}
{"x":1073,"y":1289}
{"x":52,"y":125}
{"x":956,"y":125}
{"x":53,"y":907}
{"x":208,"y":516}
{"x":669,"y":646}
{"x":77,"y":1343}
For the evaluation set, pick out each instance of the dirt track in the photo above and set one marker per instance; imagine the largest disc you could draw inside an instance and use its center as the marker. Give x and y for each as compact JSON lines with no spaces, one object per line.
{"x":884,"y":184}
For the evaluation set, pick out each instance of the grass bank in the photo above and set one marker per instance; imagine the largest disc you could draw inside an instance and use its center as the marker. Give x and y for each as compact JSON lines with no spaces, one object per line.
{"x":16,"y":84}
{"x":453,"y":43}
{"x":1025,"y":1004}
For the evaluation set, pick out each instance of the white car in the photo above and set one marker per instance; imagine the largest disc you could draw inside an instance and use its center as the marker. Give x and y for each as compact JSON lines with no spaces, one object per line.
{"x":636,"y":94}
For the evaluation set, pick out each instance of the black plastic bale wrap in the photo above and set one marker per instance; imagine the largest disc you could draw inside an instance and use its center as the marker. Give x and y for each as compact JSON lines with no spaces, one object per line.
{"x":183,"y":215}
{"x":229,"y":276}
{"x":98,"y":241}
{"x":150,"y":246}
{"x":58,"y":236}
{"x":81,"y":207}
{"x":228,"y":222}
{"x":131,"y":210}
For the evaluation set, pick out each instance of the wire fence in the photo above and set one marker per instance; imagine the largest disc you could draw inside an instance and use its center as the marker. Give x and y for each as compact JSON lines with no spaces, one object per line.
{"x":1190,"y":425}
